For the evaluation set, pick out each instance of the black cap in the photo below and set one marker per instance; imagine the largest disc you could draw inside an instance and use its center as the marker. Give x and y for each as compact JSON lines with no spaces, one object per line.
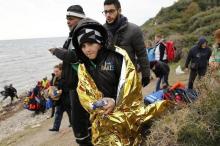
{"x":76,"y":11}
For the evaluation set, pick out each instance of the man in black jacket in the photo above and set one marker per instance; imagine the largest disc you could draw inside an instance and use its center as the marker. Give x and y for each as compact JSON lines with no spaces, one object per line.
{"x":127,"y":36}
{"x":80,"y":118}
{"x":199,"y":57}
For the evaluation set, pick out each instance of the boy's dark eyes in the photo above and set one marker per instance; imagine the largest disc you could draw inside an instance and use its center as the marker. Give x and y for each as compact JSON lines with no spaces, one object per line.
{"x":83,"y":45}
{"x":87,"y":43}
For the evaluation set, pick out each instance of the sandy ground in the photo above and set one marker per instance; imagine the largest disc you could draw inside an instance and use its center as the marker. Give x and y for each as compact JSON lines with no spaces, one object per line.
{"x":22,"y":129}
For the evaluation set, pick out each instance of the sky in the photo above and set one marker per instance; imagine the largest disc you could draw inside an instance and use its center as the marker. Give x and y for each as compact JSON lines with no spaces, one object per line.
{"x":47,"y":18}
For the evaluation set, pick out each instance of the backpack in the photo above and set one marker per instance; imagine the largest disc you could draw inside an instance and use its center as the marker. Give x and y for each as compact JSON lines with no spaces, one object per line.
{"x":31,"y":104}
{"x":151,"y":54}
{"x":170,"y":50}
{"x":153,"y":97}
{"x":180,"y":95}
{"x":177,"y":93}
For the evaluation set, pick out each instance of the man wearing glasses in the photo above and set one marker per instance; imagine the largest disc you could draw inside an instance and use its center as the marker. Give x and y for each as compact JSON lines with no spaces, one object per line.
{"x":127,"y":36}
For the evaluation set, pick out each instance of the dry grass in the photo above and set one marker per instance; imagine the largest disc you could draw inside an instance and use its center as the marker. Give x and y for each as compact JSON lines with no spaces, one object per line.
{"x":195,"y":124}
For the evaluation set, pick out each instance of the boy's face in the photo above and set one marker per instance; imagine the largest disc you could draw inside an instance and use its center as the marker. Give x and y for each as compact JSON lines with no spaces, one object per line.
{"x":91,"y":49}
{"x":57,"y":72}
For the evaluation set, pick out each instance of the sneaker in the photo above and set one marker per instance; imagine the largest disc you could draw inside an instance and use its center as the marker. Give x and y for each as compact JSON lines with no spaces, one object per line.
{"x":53,"y":129}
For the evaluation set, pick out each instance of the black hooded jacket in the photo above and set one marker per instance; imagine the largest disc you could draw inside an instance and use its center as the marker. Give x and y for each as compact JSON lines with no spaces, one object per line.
{"x":106,"y":68}
{"x":159,"y":68}
{"x":129,"y":36}
{"x":68,"y":56}
{"x":198,"y":56}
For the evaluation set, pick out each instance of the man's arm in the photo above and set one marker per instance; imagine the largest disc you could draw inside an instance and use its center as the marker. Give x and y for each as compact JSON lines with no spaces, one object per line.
{"x":162,"y":49}
{"x":65,"y":55}
{"x":140,"y":51}
{"x":189,"y":57}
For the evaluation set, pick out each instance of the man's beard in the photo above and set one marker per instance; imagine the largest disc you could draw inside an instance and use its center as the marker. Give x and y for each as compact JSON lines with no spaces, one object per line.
{"x":70,"y":28}
{"x":113,"y":22}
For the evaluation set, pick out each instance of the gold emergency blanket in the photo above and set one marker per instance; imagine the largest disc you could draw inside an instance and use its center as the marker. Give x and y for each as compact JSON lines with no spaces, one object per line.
{"x":122,"y":127}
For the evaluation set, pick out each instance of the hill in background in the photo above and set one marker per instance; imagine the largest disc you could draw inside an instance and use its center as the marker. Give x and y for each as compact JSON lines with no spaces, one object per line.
{"x":185,"y":21}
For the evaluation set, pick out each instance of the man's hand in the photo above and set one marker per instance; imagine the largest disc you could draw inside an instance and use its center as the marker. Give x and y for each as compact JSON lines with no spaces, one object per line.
{"x":109,"y":107}
{"x":186,"y":70}
{"x":145,"y":81}
{"x":164,"y":86}
{"x":52,"y":50}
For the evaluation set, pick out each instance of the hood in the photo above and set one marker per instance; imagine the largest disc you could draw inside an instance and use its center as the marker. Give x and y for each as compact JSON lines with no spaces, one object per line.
{"x":88,"y":23}
{"x":201,"y":41}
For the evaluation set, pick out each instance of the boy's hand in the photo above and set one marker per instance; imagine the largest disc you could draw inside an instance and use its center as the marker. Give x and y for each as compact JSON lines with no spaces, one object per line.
{"x":109,"y":107}
{"x":60,"y":91}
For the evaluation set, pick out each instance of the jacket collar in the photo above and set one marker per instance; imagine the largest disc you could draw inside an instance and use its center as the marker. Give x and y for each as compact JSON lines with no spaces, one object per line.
{"x":118,"y":25}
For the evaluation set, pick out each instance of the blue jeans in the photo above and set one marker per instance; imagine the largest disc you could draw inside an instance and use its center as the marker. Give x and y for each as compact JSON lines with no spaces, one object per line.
{"x":59,"y":116}
{"x":164,"y":80}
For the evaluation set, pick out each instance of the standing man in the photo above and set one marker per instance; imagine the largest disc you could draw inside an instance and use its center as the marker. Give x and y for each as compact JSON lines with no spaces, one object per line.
{"x":127,"y":36}
{"x":80,"y":118}
{"x":197,"y":60}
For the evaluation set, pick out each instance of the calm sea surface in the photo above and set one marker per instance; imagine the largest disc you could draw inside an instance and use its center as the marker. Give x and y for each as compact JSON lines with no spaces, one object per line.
{"x":24,"y":62}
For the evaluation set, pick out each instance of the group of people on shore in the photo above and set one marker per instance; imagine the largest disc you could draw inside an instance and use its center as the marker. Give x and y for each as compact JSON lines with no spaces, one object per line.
{"x":94,"y":69}
{"x":100,"y":65}
{"x":104,"y":67}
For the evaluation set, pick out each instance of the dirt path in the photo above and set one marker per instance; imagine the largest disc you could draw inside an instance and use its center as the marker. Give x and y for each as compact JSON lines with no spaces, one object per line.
{"x":37,"y":134}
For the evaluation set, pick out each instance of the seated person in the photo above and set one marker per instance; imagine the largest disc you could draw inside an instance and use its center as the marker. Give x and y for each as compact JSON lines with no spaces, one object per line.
{"x":109,"y":76}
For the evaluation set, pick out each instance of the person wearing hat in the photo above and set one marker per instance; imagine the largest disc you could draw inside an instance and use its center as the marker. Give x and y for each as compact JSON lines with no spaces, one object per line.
{"x":80,"y":118}
{"x":109,"y":88}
